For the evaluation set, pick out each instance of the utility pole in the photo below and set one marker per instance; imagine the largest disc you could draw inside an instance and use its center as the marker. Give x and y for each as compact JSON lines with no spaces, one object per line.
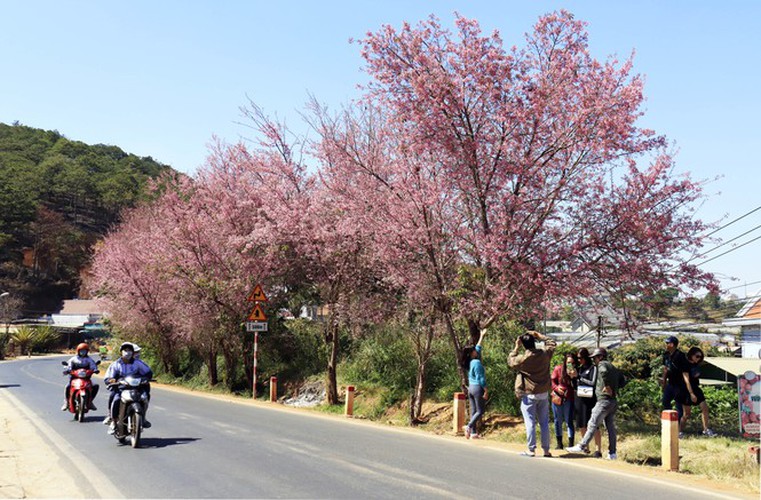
{"x":599,"y":330}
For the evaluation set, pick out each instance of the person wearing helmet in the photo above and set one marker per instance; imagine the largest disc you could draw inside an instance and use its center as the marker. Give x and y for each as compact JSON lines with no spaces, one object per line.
{"x":81,"y":360}
{"x":606,"y":388}
{"x":127,"y":364}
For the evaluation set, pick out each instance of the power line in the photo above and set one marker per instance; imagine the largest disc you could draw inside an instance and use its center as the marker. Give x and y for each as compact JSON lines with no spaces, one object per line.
{"x":732,"y":222}
{"x":729,"y":251}
{"x":724,"y":243}
{"x":745,"y":284}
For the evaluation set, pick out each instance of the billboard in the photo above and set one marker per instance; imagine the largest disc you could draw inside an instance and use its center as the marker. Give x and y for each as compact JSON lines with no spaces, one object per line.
{"x":749,"y":397}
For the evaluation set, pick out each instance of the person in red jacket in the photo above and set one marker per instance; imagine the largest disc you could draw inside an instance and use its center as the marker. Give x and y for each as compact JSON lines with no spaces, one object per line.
{"x":562,"y":398}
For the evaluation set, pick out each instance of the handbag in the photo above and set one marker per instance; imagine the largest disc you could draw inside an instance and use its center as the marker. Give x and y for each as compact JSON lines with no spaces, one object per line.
{"x":558,"y":396}
{"x":585,"y":391}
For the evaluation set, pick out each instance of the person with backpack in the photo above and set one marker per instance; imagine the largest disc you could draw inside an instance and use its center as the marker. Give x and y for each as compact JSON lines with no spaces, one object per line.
{"x":609,"y":380}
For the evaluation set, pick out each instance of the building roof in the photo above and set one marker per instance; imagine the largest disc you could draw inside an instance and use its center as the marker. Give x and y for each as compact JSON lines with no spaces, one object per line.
{"x":752,"y":308}
{"x":717,"y":370}
{"x":79,"y":306}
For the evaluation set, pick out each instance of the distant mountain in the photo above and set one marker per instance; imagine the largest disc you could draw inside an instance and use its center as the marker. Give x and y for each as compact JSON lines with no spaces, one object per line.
{"x":57,"y":198}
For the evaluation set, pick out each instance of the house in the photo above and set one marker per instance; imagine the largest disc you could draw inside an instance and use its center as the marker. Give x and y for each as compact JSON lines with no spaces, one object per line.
{"x":587,"y":314}
{"x":78,"y":314}
{"x":749,"y":321}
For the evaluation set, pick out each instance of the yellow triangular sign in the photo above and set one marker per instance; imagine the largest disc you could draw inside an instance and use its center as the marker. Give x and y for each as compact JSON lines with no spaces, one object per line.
{"x":257,"y":295}
{"x":257,"y":314}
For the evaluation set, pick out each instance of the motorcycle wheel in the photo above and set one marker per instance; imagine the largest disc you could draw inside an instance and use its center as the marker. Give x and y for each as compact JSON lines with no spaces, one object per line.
{"x":137,"y":429}
{"x":80,"y":415}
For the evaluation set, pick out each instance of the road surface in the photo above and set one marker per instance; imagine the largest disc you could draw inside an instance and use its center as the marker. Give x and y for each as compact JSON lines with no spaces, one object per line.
{"x":204,"y":447}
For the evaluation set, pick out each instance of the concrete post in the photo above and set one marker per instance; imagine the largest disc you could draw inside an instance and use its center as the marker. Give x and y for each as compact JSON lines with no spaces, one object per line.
{"x":349,"y":408}
{"x":273,"y":389}
{"x":458,"y":415}
{"x":670,"y":440}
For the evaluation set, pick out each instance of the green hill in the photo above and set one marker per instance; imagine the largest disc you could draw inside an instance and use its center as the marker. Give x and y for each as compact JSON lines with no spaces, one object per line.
{"x":57,"y":197}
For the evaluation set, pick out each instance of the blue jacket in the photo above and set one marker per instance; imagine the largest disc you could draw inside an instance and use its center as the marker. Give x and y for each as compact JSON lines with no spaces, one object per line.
{"x":477,"y":374}
{"x":119,"y":369}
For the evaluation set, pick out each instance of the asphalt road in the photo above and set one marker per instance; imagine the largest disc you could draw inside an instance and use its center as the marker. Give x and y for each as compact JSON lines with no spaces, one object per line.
{"x":202,"y":447}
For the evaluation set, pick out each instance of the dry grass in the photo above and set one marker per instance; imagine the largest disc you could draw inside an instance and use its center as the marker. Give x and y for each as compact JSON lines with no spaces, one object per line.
{"x":720,"y":459}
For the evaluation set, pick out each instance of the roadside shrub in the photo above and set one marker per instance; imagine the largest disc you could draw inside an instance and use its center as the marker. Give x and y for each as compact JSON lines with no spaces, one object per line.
{"x":385,"y":359}
{"x":45,"y":338}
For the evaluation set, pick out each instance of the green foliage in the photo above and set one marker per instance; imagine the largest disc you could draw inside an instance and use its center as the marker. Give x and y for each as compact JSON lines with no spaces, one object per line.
{"x":57,"y":196}
{"x":385,"y":359}
{"x":23,"y":338}
{"x":45,"y":338}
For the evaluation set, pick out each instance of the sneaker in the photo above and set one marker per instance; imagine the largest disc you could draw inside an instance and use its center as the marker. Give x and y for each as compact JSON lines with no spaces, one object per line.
{"x":577,"y":449}
{"x":65,"y":407}
{"x":112,"y":428}
{"x":597,"y":454}
{"x":466,"y":430}
{"x":611,"y":456}
{"x":547,"y":454}
{"x":527,"y":453}
{"x":107,"y":421}
{"x":709,"y":433}
{"x":146,"y":424}
{"x":93,"y":407}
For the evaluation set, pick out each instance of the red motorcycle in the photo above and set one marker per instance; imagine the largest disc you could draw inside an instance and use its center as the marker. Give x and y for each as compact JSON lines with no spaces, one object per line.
{"x":80,"y":393}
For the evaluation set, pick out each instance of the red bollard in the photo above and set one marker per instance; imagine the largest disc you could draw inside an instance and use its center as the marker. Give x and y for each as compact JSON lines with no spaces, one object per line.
{"x":273,"y":389}
{"x":349,"y":408}
{"x":458,"y":415}
{"x":670,"y":440}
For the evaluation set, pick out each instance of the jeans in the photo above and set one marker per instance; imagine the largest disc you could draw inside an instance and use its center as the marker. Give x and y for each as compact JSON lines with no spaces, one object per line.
{"x":476,"y":397}
{"x":670,"y":393}
{"x":564,"y":413}
{"x":605,"y":409}
{"x":536,"y":411}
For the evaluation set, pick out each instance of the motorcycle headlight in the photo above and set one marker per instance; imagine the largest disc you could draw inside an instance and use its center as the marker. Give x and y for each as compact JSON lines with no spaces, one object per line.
{"x":127,"y":396}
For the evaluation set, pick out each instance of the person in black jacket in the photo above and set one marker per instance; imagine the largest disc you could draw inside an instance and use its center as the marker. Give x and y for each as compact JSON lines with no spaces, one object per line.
{"x":584,"y":402}
{"x":674,"y":364}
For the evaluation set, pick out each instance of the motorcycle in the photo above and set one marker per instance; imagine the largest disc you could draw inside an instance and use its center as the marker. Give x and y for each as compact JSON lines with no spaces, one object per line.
{"x":133,"y":402}
{"x":80,"y":393}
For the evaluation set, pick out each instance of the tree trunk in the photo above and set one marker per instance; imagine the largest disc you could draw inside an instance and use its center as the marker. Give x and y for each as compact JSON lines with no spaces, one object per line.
{"x":211,"y":363}
{"x":457,"y":351}
{"x":331,"y":337}
{"x":423,"y":354}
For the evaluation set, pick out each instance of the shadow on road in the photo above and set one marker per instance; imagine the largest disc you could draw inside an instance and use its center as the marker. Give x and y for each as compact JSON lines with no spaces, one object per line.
{"x":88,"y":418}
{"x":5,"y":386}
{"x":164,"y":442}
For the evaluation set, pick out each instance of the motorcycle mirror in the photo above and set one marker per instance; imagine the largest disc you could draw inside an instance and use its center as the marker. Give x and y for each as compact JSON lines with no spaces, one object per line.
{"x":97,"y":362}
{"x":64,"y":363}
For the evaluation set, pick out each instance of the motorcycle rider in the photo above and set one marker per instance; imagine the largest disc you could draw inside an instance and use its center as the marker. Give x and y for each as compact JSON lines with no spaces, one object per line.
{"x":126,"y":365}
{"x":136,"y":350}
{"x":81,"y":360}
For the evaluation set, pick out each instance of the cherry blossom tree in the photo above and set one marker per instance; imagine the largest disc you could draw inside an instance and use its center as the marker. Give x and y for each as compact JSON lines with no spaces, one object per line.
{"x":498,"y":180}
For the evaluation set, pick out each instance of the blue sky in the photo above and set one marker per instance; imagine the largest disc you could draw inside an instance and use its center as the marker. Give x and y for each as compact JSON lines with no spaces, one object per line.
{"x":160,"y":78}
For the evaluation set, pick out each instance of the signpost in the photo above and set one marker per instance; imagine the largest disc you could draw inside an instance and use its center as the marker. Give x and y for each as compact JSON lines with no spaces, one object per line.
{"x":256,"y":322}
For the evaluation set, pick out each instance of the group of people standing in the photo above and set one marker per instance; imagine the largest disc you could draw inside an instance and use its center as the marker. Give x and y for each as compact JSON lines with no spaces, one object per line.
{"x":582,"y":392}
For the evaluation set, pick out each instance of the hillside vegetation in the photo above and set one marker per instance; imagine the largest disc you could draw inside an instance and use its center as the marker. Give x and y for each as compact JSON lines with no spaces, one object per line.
{"x":57,"y":197}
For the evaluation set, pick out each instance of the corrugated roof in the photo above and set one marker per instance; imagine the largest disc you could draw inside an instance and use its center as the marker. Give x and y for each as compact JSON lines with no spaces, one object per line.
{"x":752,"y":308}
